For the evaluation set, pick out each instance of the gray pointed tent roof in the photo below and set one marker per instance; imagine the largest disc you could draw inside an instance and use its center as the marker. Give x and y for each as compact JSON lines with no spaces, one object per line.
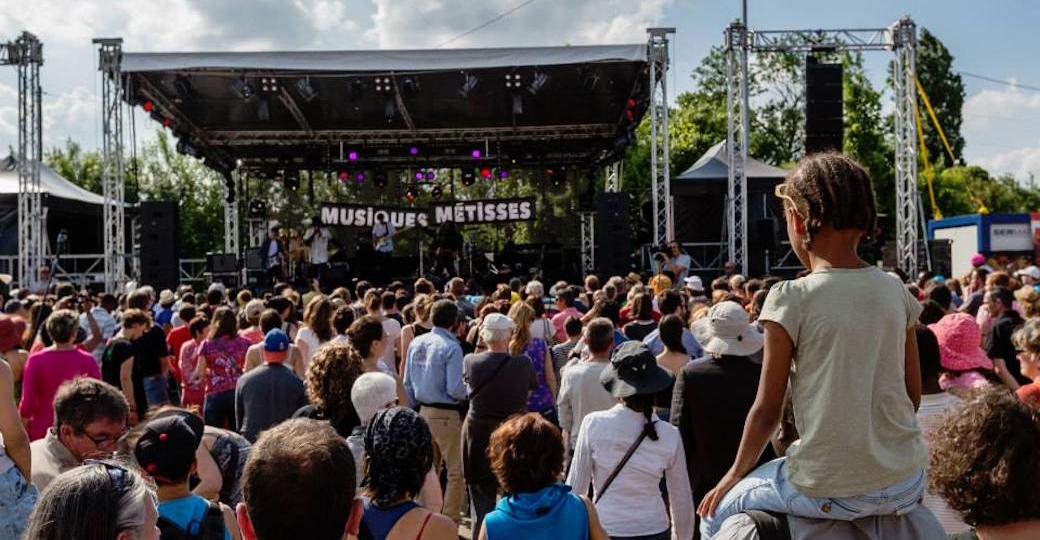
{"x":714,"y":166}
{"x":52,"y":184}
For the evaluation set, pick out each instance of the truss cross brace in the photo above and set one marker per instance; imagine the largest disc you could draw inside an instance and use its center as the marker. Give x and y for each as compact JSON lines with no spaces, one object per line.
{"x":113,"y":184}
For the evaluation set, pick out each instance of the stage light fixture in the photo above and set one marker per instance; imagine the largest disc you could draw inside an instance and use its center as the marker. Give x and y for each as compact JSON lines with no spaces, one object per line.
{"x":182,"y":86}
{"x":263,"y":110}
{"x":411,"y":194}
{"x":148,"y":106}
{"x":352,"y":155}
{"x":475,"y":154}
{"x":485,"y":172}
{"x":359,"y":177}
{"x":304,"y":88}
{"x":410,"y":84}
{"x":188,"y":149}
{"x":390,"y":110}
{"x":431,"y":174}
{"x":437,"y":192}
{"x":468,"y":178}
{"x":269,"y":85}
{"x":518,"y":104}
{"x":503,"y":173}
{"x":292,"y":179}
{"x":469,"y":82}
{"x":383,"y":85}
{"x":538,"y":82}
{"x":418,"y":176}
{"x":257,"y":208}
{"x":380,"y":179}
{"x":166,"y":122}
{"x":355,"y":89}
{"x":513,"y":80}
{"x":242,"y":87}
{"x":414,"y":151}
{"x":344,"y":176}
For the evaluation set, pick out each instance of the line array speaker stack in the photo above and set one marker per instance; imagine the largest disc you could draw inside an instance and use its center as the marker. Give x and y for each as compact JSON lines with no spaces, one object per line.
{"x":824,"y":119}
{"x":613,"y":233}
{"x":160,"y":246}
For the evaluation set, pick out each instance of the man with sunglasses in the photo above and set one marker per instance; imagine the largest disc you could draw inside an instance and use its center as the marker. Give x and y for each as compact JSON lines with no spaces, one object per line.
{"x":89,"y":420}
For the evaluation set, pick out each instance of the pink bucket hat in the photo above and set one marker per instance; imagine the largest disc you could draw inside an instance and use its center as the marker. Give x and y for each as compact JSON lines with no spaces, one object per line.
{"x":960,"y":343}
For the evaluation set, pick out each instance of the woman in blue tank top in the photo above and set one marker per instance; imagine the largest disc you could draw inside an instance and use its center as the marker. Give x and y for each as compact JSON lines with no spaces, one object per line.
{"x":527,"y":457}
{"x":399,"y":451}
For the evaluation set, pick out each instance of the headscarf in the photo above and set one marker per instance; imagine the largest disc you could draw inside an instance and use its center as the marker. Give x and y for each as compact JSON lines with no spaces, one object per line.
{"x":398,"y":448}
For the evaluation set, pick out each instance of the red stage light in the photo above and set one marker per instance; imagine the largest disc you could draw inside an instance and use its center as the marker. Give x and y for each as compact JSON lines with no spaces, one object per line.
{"x":148,"y":106}
{"x":165,"y":122}
{"x":344,"y":176}
{"x":631,"y":103}
{"x":485,"y":172}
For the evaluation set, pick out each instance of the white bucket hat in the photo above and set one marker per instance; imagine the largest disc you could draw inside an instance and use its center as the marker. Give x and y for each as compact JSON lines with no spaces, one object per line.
{"x":726,"y":330}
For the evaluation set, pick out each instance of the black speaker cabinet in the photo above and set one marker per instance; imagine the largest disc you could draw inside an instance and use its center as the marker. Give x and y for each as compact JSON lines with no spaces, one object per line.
{"x":160,"y":245}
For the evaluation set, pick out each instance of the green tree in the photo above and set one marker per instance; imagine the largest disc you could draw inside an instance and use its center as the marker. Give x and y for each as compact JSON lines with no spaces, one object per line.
{"x":945,"y":91}
{"x":866,"y":138}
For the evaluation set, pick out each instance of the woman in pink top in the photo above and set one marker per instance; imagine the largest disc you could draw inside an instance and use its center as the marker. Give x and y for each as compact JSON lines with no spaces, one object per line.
{"x":221,"y":358}
{"x":48,"y":368}
{"x":193,"y":389}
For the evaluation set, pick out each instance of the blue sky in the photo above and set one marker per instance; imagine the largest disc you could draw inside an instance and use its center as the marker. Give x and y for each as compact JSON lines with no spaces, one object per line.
{"x":986,"y":38}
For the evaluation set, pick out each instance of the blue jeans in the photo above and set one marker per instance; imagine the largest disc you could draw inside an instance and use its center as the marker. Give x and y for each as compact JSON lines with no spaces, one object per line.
{"x":767,"y":488}
{"x":17,"y":499}
{"x":219,"y":410}
{"x":155,"y":390}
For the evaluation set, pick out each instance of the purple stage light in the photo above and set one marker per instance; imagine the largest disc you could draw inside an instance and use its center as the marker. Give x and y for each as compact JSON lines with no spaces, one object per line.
{"x":413,"y":151}
{"x":360,"y":177}
{"x":430,"y":175}
{"x":475,"y":153}
{"x":418,"y":175}
{"x":503,"y":174}
{"x":352,"y":156}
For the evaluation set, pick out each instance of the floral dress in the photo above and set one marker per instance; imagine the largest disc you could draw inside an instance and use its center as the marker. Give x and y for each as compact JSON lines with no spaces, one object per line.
{"x":541,"y":400}
{"x":224,"y":359}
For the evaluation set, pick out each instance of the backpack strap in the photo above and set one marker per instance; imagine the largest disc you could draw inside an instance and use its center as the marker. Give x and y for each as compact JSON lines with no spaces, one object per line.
{"x":169,"y":530}
{"x":213,"y":522}
{"x":769,"y":525}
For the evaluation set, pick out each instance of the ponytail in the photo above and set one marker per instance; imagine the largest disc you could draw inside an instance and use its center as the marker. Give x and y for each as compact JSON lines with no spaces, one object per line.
{"x":644,"y":403}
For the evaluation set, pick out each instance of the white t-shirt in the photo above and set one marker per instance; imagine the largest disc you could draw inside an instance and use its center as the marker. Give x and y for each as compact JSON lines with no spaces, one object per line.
{"x":307,"y":337}
{"x":320,"y":246}
{"x":682,"y":260}
{"x":391,"y":337}
{"x":930,"y":416}
{"x":857,"y":424}
{"x":383,"y":230}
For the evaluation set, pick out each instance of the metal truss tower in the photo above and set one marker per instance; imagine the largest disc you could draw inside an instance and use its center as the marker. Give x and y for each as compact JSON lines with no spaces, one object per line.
{"x":899,"y":38}
{"x":660,"y":175}
{"x":588,"y":242}
{"x":113,"y":229}
{"x":26,"y":53}
{"x":231,"y":238}
{"x":612,"y":182}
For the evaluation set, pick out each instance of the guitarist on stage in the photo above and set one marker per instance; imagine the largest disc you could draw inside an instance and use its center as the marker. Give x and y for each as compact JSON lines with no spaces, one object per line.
{"x":383,"y":242}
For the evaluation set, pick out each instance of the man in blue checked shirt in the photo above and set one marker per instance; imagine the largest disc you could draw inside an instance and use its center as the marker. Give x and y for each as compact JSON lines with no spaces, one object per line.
{"x":433,"y":381}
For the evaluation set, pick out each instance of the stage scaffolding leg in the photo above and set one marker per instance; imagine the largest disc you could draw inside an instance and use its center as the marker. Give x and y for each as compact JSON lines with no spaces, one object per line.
{"x":904,"y":37}
{"x":737,"y":142}
{"x":660,"y":175}
{"x":112,"y":181}
{"x":231,"y":215}
{"x":588,"y":242}
{"x":613,"y":177}
{"x":26,"y":54}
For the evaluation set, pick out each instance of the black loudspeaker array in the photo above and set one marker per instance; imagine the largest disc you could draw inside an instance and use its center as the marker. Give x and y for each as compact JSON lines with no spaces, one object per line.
{"x":160,"y":248}
{"x":613,"y":233}
{"x":824,"y":119}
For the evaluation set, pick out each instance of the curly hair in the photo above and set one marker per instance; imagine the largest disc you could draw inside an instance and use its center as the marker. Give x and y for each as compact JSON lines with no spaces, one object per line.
{"x":330,"y":375}
{"x":830,"y":189}
{"x":526,"y":453}
{"x":983,"y":459}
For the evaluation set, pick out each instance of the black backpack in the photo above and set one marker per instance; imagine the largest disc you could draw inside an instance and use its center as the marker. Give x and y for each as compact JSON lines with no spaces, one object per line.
{"x":212,"y":526}
{"x":768,"y":525}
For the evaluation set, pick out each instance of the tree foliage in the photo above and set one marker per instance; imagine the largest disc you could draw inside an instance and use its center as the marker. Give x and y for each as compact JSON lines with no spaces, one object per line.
{"x":945,"y":91}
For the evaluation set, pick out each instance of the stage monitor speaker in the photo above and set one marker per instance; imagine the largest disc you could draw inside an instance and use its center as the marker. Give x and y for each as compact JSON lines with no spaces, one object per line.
{"x":824,"y":118}
{"x":160,"y":246}
{"x":221,"y":263}
{"x":253,"y":259}
{"x":613,"y":233}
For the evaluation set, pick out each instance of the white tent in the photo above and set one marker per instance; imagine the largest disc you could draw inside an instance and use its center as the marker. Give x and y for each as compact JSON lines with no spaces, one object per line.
{"x":51,"y":184}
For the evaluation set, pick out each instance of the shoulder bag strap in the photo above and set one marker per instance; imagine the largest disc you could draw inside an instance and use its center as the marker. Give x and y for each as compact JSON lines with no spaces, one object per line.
{"x":494,"y":374}
{"x":620,"y":465}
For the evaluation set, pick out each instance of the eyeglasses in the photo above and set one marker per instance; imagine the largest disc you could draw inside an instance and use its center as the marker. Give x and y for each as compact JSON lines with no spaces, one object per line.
{"x":117,"y":473}
{"x":104,"y":440}
{"x":781,"y":193}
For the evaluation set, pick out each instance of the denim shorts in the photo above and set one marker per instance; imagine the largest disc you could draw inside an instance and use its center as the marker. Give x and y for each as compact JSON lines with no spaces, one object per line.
{"x":767,"y":488}
{"x":155,"y":390}
{"x":17,"y":499}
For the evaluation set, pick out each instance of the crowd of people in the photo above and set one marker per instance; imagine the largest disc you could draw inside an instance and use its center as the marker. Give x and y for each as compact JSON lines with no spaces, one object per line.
{"x":846,"y":403}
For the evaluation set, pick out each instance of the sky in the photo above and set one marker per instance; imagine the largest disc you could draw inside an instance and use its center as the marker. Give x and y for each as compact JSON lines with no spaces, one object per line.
{"x":992,"y":39}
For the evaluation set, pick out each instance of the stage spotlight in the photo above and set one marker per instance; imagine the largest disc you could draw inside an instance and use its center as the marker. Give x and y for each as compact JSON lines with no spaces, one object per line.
{"x":292,"y":179}
{"x":263,"y":111}
{"x":503,"y":173}
{"x":437,"y":192}
{"x":414,"y":151}
{"x":418,"y":176}
{"x":188,"y":149}
{"x":538,"y":82}
{"x":242,"y":87}
{"x":268,"y":85}
{"x":166,"y":122}
{"x":355,"y":89}
{"x":485,"y":172}
{"x":513,"y":80}
{"x":390,"y":110}
{"x":411,"y":194}
{"x":182,"y":86}
{"x":383,"y":85}
{"x":344,"y":176}
{"x":431,"y":174}
{"x":352,"y":155}
{"x":148,"y":106}
{"x":469,"y":82}
{"x":380,"y":179}
{"x":410,"y":84}
{"x":518,"y":104}
{"x":468,"y":178}
{"x":475,"y":154}
{"x":257,"y":208}
{"x":304,"y":88}
{"x":359,"y":177}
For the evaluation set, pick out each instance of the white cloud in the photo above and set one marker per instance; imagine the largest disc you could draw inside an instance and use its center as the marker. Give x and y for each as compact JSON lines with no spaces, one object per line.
{"x":990,"y":107}
{"x":1000,"y":131}
{"x":1020,"y":162}
{"x":72,"y":115}
{"x":426,"y":23}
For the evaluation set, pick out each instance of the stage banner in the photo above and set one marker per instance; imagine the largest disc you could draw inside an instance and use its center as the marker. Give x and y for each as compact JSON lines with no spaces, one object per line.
{"x":461,"y":212}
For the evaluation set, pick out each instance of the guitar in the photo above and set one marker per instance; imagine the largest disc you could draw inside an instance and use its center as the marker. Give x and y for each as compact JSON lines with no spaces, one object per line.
{"x":382,"y":241}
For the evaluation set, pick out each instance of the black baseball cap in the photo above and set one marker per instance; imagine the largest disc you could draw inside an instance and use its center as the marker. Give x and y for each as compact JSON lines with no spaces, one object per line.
{"x":166,"y":448}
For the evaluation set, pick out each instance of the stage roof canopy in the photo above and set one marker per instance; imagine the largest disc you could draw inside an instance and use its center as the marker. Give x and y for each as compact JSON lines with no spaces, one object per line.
{"x":713,"y":166}
{"x":395,"y":108}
